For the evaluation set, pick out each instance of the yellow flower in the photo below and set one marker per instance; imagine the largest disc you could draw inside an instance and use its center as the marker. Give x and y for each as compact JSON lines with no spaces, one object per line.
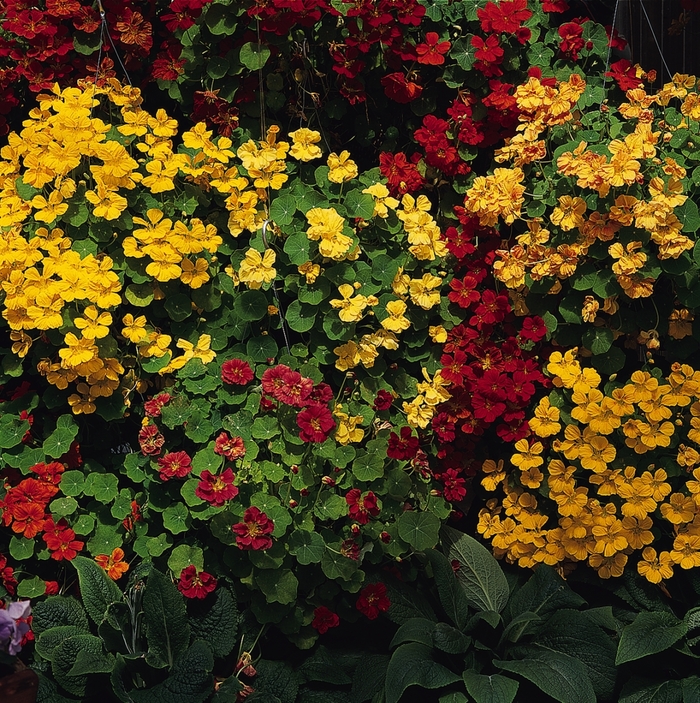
{"x":156,"y":345}
{"x":202,"y":350}
{"x":570,"y":500}
{"x":304,"y":144}
{"x":609,"y":535}
{"x":422,"y":291}
{"x":22,"y":343}
{"x":94,"y":325}
{"x":638,"y":531}
{"x":655,"y":569}
{"x":596,"y":454}
{"x":546,"y":420}
{"x":49,"y":210}
{"x":348,"y":431}
{"x":568,"y":214}
{"x":434,"y":391}
{"x":686,"y":551}
{"x":81,"y":404}
{"x":438,"y":334}
{"x":396,"y":322}
{"x":494,"y":474}
{"x":79,"y":351}
{"x":657,"y":482}
{"x":607,"y":567}
{"x":326,"y":227}
{"x":108,"y":204}
{"x":527,"y":456}
{"x":418,"y":413}
{"x":382,"y":200}
{"x":134,"y":328}
{"x":194,"y":274}
{"x":257,"y":269}
{"x":348,"y":356}
{"x":310,"y":271}
{"x":679,"y":509}
{"x":341,"y":167}
{"x":564,"y":368}
{"x":351,"y":308}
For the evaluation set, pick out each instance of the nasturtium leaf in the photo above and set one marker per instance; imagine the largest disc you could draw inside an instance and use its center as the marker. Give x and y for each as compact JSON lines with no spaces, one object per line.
{"x":84,"y":525}
{"x":63,"y":506}
{"x":308,"y":547}
{"x":239,"y":424}
{"x":420,"y":530}
{"x":155,"y":546}
{"x":610,"y":361}
{"x":300,"y":317}
{"x":330,"y":506}
{"x":105,"y":539}
{"x":24,"y":190}
{"x":254,"y":56}
{"x":59,"y":441}
{"x":21,"y":548}
{"x":176,"y":518}
{"x":72,"y":482}
{"x":359,"y":204}
{"x":250,"y":305}
{"x":297,"y":248}
{"x":279,"y":586}
{"x":219,"y":19}
{"x":103,"y":486}
{"x":265,"y":427}
{"x":31,"y":588}
{"x":183,"y":555}
{"x":206,"y":459}
{"x":217,"y":67}
{"x":202,"y":385}
{"x":598,"y":339}
{"x":199,"y":428}
{"x":178,"y":306}
{"x":12,"y":429}
{"x":336,"y":566}
{"x":140,"y":295}
{"x":261,"y":348}
{"x":462,"y":52}
{"x":282,"y":209}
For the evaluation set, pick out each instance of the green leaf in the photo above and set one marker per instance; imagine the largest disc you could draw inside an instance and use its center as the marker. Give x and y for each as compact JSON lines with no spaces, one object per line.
{"x":97,"y":590}
{"x":300,"y":317}
{"x":165,"y":617}
{"x":139,"y":295}
{"x":278,"y":679}
{"x":462,"y":52}
{"x":24,"y":190}
{"x":282,"y":209}
{"x":562,"y":677}
{"x":64,"y":659}
{"x":176,"y":518}
{"x":31,"y":588}
{"x":63,"y":506}
{"x":56,"y":611}
{"x":21,"y":548}
{"x":72,"y":483}
{"x":155,"y":546}
{"x":598,"y":339}
{"x":307,"y":547}
{"x":261,"y":348}
{"x":479,"y":573}
{"x":451,"y":593}
{"x":279,"y":586}
{"x":414,"y":630}
{"x":420,"y":530}
{"x":647,"y":691}
{"x":297,"y":248}
{"x":49,"y":640}
{"x":265,"y":427}
{"x":359,"y":204}
{"x":412,"y":665}
{"x":216,"y":622}
{"x":105,"y":539}
{"x":105,"y":487}
{"x":178,"y":306}
{"x":217,"y":67}
{"x":183,"y":556}
{"x":610,"y":362}
{"x":688,"y":214}
{"x":649,"y":633}
{"x":490,"y":689}
{"x":254,"y":56}
{"x":59,"y":441}
{"x":544,"y":593}
{"x":250,"y":305}
{"x":12,"y":429}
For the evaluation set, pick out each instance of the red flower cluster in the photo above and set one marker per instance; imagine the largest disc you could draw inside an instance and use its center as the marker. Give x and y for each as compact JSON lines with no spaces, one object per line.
{"x":439,"y":151}
{"x":403,"y":447}
{"x":432,"y":51}
{"x":153,"y":407}
{"x":216,"y":489}
{"x":255,"y":530}
{"x":60,"y":539}
{"x":195,"y":584}
{"x":324,"y":620}
{"x":572,"y":41}
{"x":373,"y":600}
{"x":174,"y":465}
{"x":230,"y":447}
{"x":7,"y":576}
{"x":361,"y":506}
{"x":402,"y":175}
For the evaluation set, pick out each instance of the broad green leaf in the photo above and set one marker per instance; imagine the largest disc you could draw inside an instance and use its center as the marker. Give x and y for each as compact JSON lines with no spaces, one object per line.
{"x":21,"y":548}
{"x":279,"y":586}
{"x":490,"y":689}
{"x":59,"y":441}
{"x":261,"y":348}
{"x":562,"y":677}
{"x":282,"y":209}
{"x":414,"y":630}
{"x":359,"y":204}
{"x":64,"y":659}
{"x":56,"y":611}
{"x":48,"y":640}
{"x":176,"y":518}
{"x":300,"y":317}
{"x":479,"y":573}
{"x":649,"y":633}
{"x":165,"y":617}
{"x":297,"y":248}
{"x":250,"y":305}
{"x":31,"y":588}
{"x":12,"y":429}
{"x":544,"y":593}
{"x":452,"y":596}
{"x":97,"y":590}
{"x":63,"y":506}
{"x":420,"y":530}
{"x":655,"y":691}
{"x":277,"y":680}
{"x":183,"y":555}
{"x":307,"y":547}
{"x":254,"y":56}
{"x":105,"y":487}
{"x":216,"y":622}
{"x":105,"y":539}
{"x":72,"y":483}
{"x":412,"y":665}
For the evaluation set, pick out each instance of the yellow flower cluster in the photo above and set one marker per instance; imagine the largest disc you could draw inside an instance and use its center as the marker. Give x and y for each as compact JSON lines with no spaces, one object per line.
{"x":498,"y":195}
{"x":590,"y":481}
{"x":432,"y":392}
{"x":422,"y":231}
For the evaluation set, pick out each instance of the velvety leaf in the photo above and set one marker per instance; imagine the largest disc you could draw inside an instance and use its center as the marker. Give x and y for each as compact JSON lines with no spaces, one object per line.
{"x":414,"y":630}
{"x":649,"y":633}
{"x":216,"y":622}
{"x":490,"y":689}
{"x":369,"y":677}
{"x":56,"y":611}
{"x":277,"y":678}
{"x":647,"y":691}
{"x":64,"y":658}
{"x":97,"y":590}
{"x":451,"y":593}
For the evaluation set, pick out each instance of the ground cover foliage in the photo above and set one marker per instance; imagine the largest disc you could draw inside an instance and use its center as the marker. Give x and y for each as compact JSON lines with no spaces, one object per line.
{"x":348,"y":354}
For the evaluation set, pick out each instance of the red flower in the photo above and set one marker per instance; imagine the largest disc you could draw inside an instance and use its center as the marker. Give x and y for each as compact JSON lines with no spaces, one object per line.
{"x":555,"y":5}
{"x":315,"y":423}
{"x":153,"y":407}
{"x":383,"y":400}
{"x":294,"y":389}
{"x":168,"y":65}
{"x":60,"y":540}
{"x":28,"y":519}
{"x":87,"y":20}
{"x":150,"y":440}
{"x":324,"y":620}
{"x":506,"y":17}
{"x":404,"y":447}
{"x":443,"y":427}
{"x":7,"y":576}
{"x":453,"y":486}
{"x":533,"y":329}
{"x":134,"y":29}
{"x":464,"y":292}
{"x":129,"y":521}
{"x":493,"y":309}
{"x":51,"y":588}
{"x":29,"y":24}
{"x":195,"y":584}
{"x":433,"y":51}
{"x":361,"y":507}
{"x":231,"y":447}
{"x":62,"y":8}
{"x":489,"y":51}
{"x":350,"y":549}
{"x":216,"y":489}
{"x":398,"y":88}
{"x":625,"y":75}
{"x":402,"y":175}
{"x":236,"y":371}
{"x":373,"y":600}
{"x":454,"y":367}
{"x":254,"y":532}
{"x":571,"y":40}
{"x":273,"y":379}
{"x":174,"y":465}
{"x":321,"y":393}
{"x":459,"y":242}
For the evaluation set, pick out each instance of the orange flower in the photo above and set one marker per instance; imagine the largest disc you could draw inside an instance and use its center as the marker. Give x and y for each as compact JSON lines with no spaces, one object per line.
{"x":114,"y":565}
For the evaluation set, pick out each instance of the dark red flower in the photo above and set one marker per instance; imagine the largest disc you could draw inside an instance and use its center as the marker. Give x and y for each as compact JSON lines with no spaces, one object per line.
{"x":273,"y":379}
{"x":402,"y":175}
{"x":398,"y":88}
{"x":373,"y":600}
{"x":571,"y":39}
{"x":151,"y":440}
{"x":255,"y":530}
{"x":453,"y":486}
{"x":324,"y":620}
{"x":403,"y":447}
{"x":153,"y":407}
{"x":168,"y":65}
{"x":195,"y":584}
{"x":506,"y":17}
{"x":231,"y":447}
{"x":555,"y":5}
{"x":383,"y":400}
{"x":361,"y":506}
{"x":321,"y":393}
{"x":625,"y":75}
{"x":135,"y":29}
{"x":174,"y":465}
{"x":533,"y":329}
{"x":216,"y":489}
{"x":315,"y":423}
{"x":294,"y":389}
{"x":236,"y":371}
{"x":432,"y":51}
{"x":464,"y":292}
{"x":51,"y":588}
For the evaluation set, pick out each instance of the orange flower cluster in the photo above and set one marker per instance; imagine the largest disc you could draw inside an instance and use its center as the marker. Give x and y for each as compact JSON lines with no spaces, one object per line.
{"x":587,"y":462}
